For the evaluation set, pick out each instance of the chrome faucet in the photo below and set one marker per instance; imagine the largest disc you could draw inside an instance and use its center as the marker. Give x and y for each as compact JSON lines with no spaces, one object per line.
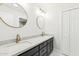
{"x":18,"y":38}
{"x":43,"y":33}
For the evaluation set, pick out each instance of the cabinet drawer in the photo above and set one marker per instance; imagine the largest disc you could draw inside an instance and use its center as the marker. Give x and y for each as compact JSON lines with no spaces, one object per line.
{"x":48,"y":41}
{"x":43,"y":44}
{"x":43,"y":51}
{"x":30,"y":52}
{"x":51,"y":39}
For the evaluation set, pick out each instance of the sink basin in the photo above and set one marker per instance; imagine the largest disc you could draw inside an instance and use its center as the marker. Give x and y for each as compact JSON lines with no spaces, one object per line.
{"x":15,"y":47}
{"x":23,"y":41}
{"x":20,"y":43}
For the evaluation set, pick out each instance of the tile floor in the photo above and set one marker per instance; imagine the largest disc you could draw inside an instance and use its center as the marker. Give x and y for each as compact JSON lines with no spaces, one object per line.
{"x":56,"y":53}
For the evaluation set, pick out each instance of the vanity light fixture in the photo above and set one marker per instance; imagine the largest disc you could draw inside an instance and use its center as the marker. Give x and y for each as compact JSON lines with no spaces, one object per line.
{"x":42,"y":10}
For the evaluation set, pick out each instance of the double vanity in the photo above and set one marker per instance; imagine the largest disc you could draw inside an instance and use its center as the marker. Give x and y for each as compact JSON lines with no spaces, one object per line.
{"x":39,"y":46}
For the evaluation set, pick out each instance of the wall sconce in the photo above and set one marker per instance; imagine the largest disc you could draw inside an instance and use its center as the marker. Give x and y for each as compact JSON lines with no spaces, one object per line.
{"x":41,"y":12}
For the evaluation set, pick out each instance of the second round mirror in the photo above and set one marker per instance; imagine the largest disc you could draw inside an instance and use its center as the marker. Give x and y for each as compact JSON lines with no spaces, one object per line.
{"x":40,"y":21}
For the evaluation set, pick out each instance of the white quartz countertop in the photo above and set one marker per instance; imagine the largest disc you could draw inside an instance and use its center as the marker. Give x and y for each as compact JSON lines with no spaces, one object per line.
{"x":14,"y":49}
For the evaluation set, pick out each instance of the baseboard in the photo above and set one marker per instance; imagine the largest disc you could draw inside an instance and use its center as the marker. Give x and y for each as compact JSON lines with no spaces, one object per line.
{"x":60,"y":52}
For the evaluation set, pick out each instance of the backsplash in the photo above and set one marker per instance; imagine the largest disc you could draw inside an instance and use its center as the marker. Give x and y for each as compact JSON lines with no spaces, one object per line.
{"x":14,"y":40}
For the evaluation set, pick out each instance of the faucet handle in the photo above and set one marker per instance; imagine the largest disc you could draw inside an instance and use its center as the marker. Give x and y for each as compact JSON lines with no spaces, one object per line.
{"x":18,"y":38}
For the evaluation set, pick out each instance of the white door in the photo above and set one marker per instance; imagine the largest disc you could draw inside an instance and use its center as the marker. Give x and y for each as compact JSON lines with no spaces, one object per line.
{"x":65,"y":33}
{"x":74,"y":32}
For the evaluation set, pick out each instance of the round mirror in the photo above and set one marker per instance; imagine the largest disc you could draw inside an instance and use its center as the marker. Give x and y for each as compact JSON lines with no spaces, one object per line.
{"x":13,"y":14}
{"x":40,"y":21}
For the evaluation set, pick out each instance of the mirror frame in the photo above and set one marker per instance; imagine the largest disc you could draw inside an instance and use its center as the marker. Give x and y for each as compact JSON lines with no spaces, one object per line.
{"x":37,"y":23}
{"x":14,"y":26}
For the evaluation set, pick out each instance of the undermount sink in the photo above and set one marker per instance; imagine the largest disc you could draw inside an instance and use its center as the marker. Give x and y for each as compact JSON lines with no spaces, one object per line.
{"x":12,"y":46}
{"x":23,"y":41}
{"x":17,"y":44}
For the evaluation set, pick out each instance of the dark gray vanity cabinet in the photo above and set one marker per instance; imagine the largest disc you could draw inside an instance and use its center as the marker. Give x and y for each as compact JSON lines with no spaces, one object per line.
{"x":49,"y":46}
{"x":43,"y":49}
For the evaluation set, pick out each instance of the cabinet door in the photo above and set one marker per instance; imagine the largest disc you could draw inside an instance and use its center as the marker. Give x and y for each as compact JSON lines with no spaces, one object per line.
{"x":43,"y":51}
{"x":65,"y":33}
{"x":43,"y":45}
{"x":31,"y":52}
{"x":51,"y":44}
{"x":48,"y":49}
{"x":74,"y":32}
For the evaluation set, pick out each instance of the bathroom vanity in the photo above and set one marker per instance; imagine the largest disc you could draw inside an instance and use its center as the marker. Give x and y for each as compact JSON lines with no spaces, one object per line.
{"x":43,"y":49}
{"x":39,"y":46}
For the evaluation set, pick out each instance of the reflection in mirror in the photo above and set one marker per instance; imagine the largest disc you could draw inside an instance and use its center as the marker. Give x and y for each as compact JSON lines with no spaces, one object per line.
{"x":40,"y":22}
{"x":22,"y":22}
{"x":13,"y":14}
